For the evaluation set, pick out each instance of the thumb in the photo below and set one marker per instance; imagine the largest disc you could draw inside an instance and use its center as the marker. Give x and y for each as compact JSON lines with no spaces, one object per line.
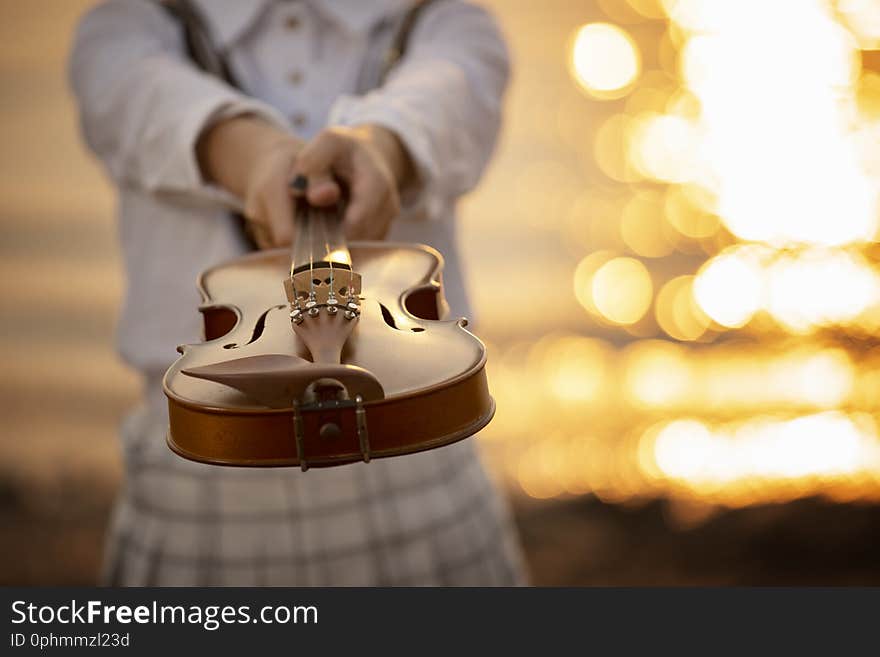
{"x":317,"y":161}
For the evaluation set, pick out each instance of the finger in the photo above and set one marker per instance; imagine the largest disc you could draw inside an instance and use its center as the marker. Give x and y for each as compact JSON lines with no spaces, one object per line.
{"x":278,"y":210}
{"x":253,"y":208}
{"x":323,"y":190}
{"x":372,"y":206}
{"x":373,"y":226}
{"x":255,"y":223}
{"x":361,"y":210}
{"x":261,"y":236}
{"x":259,"y":231}
{"x":378,"y":228}
{"x":318,"y":157}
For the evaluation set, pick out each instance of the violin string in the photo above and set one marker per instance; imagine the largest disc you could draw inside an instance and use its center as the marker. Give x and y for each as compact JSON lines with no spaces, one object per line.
{"x":293,"y":250}
{"x":309,"y":222}
{"x":340,"y":218}
{"x":298,"y":224}
{"x":327,"y":254}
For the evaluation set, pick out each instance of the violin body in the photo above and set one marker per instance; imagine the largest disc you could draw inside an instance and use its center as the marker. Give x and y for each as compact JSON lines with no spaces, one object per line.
{"x":389,"y":377}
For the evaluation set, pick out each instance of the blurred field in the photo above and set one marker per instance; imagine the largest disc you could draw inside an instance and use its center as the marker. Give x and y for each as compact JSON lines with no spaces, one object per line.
{"x":63,"y":392}
{"x":648,"y":432}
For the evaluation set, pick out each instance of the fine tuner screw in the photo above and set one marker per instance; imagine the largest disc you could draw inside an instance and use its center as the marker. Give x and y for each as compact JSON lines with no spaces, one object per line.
{"x":312,"y":308}
{"x":351,"y":311}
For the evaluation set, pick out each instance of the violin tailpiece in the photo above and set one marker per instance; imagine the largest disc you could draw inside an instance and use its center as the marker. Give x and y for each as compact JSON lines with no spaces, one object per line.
{"x":324,"y":334}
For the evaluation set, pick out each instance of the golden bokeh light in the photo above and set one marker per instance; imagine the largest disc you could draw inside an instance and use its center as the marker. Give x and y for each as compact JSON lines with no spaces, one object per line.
{"x":622,"y":290}
{"x":684,"y":104}
{"x":820,"y":288}
{"x":538,"y":470}
{"x":793,"y":176}
{"x":729,"y":288}
{"x":823,"y":379}
{"x":573,"y":367}
{"x":862,"y":17}
{"x":605,"y":60}
{"x":663,"y":375}
{"x":677,"y":312}
{"x":656,"y":373}
{"x":647,"y":98}
{"x":583,"y":278}
{"x":648,"y":8}
{"x":664,"y":147}
{"x":739,"y":175}
{"x":610,"y":149}
{"x":677,"y":380}
{"x":823,"y":445}
{"x":868,"y":95}
{"x":802,"y":290}
{"x":798,"y":379}
{"x":642,"y":226}
{"x":686,"y":217}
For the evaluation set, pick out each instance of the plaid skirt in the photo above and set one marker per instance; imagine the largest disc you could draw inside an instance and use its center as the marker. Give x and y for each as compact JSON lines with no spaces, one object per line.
{"x":432,"y":518}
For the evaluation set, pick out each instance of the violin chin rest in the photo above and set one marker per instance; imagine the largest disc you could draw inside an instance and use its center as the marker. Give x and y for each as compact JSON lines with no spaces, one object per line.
{"x":276,"y":380}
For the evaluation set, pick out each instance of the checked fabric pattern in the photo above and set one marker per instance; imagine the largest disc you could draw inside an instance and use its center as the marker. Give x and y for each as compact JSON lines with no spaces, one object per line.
{"x":427,"y":519}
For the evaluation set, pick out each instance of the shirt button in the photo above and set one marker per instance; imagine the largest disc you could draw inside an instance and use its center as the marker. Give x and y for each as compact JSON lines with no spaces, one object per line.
{"x":295,"y":77}
{"x":299,"y":119}
{"x":291,"y":22}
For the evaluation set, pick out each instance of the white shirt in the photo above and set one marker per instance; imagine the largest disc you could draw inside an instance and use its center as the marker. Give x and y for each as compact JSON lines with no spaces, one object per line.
{"x":143,"y":105}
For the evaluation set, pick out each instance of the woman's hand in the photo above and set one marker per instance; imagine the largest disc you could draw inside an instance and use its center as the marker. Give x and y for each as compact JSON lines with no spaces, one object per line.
{"x":257,"y":161}
{"x":254,"y":160}
{"x":372,"y":164}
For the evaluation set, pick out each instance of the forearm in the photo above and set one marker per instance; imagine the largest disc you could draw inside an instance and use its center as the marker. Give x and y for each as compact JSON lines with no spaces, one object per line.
{"x":142,"y":103}
{"x":229,"y":151}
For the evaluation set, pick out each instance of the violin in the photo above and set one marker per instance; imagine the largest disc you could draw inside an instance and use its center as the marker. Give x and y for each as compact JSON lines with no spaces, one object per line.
{"x":325,"y":355}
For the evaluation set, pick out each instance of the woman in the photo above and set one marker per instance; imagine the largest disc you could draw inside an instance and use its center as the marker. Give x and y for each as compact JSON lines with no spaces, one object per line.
{"x":186,"y":149}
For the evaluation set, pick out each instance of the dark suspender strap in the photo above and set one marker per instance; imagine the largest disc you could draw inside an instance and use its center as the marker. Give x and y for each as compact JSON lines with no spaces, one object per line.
{"x":201,"y":50}
{"x":199,"y":41}
{"x":401,"y":39}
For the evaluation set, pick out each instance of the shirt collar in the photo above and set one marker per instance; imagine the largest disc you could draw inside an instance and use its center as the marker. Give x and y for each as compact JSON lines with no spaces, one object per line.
{"x":360,"y":15}
{"x":229,"y":19}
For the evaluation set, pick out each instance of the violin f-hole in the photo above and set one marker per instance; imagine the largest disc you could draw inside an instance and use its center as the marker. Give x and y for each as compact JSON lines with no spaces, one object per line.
{"x":217,"y":321}
{"x":390,"y":321}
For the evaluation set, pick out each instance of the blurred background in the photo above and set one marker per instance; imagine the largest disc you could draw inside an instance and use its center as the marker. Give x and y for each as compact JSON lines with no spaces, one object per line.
{"x":673,"y":256}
